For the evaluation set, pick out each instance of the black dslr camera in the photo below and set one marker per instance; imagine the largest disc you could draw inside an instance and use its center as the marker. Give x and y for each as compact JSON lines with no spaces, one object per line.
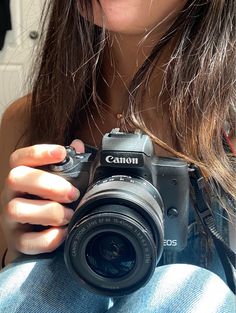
{"x":133,"y":205}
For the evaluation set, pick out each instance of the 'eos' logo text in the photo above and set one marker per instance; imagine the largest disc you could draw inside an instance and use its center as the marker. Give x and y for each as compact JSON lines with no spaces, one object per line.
{"x":170,"y":243}
{"x":121,"y":160}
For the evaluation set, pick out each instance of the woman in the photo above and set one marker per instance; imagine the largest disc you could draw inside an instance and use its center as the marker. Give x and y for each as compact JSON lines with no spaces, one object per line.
{"x":165,"y":67}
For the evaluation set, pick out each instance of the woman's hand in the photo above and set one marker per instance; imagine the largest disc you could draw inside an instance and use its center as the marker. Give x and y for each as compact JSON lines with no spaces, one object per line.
{"x":20,"y":213}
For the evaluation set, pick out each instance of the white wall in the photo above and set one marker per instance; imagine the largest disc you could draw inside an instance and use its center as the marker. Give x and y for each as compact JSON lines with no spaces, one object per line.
{"x":17,"y":54}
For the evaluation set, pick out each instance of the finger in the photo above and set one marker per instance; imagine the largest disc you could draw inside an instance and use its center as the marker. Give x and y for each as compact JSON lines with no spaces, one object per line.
{"x":40,"y":242}
{"x":5,"y":196}
{"x":38,"y":212}
{"x":78,"y":145}
{"x":37,"y":155}
{"x":45,"y":185}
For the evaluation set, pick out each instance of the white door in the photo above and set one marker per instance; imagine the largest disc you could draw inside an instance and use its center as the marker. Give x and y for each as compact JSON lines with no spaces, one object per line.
{"x":17,"y":54}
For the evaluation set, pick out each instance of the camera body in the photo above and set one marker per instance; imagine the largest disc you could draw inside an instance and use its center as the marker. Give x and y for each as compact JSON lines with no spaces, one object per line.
{"x":133,"y":205}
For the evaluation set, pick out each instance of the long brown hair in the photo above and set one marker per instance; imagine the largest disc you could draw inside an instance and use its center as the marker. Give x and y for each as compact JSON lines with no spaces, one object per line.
{"x":199,"y":79}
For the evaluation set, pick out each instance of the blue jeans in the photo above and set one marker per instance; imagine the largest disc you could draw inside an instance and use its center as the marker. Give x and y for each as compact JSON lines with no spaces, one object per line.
{"x":42,"y":284}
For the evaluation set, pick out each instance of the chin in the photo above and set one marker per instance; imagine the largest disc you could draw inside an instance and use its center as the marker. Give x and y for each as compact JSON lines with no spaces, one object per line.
{"x":130,"y":17}
{"x":116,"y":16}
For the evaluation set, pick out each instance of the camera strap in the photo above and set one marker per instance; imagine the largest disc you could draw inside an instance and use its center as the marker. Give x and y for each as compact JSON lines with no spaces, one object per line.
{"x":226,"y":255}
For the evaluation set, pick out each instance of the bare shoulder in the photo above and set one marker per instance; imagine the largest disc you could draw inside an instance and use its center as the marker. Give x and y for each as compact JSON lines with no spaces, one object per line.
{"x":13,"y":125}
{"x":15,"y":120}
{"x":17,"y":112}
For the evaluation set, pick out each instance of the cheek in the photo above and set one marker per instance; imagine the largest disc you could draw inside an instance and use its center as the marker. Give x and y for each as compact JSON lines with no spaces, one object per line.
{"x":134,"y":16}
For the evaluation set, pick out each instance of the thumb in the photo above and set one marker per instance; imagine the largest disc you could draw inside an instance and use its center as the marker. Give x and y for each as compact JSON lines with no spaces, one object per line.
{"x":78,"y":145}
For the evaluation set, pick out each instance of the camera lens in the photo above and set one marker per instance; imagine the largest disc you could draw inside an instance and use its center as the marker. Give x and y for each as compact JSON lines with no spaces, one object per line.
{"x":115,"y":237}
{"x":111,"y":255}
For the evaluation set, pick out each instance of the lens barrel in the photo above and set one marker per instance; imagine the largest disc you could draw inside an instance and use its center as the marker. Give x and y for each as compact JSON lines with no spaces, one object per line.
{"x":115,"y":237}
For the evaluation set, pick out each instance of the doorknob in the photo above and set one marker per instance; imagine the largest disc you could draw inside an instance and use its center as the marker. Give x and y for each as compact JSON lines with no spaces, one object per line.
{"x":34,"y":35}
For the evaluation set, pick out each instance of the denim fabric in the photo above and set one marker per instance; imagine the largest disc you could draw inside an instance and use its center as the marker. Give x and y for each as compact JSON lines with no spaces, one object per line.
{"x":200,"y":250}
{"x":42,"y":284}
{"x":184,"y":282}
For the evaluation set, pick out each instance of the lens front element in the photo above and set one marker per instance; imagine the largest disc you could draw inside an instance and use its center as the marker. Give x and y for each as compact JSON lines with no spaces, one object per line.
{"x":110,"y":255}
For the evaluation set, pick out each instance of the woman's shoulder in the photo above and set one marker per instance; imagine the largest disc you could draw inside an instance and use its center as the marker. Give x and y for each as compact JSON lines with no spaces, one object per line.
{"x":18,"y":111}
{"x":13,"y":126}
{"x":15,"y":120}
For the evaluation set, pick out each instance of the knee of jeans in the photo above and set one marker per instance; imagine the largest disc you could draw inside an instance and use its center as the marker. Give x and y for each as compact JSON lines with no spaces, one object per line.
{"x":41,"y":272}
{"x":44,"y":280}
{"x":189,"y":283}
{"x":180,"y":288}
{"x":28,"y":268}
{"x":185,"y":274}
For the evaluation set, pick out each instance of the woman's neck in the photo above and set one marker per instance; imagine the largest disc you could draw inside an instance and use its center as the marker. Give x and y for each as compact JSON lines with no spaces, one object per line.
{"x":123,"y":58}
{"x":120,"y":63}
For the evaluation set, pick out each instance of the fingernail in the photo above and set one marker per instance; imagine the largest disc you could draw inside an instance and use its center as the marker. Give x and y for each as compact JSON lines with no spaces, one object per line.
{"x":65,"y":233}
{"x":73,"y":194}
{"x":57,"y":152}
{"x":75,"y":141}
{"x":78,"y":145}
{"x":68,"y":215}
